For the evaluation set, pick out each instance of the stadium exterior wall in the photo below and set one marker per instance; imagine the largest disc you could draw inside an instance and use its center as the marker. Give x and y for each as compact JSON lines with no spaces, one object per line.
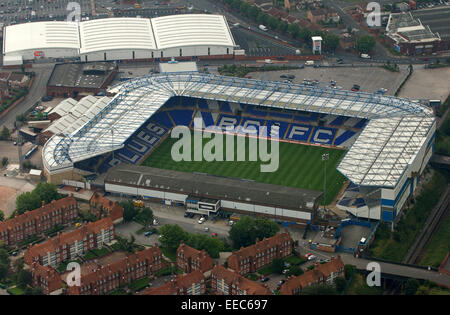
{"x":301,"y":217}
{"x":393,"y":200}
{"x":45,"y":53}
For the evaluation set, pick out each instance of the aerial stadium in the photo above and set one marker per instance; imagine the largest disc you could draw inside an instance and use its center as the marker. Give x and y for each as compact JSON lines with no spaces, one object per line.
{"x":378,"y":146}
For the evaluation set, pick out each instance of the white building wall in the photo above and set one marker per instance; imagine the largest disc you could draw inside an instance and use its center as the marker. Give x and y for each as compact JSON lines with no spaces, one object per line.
{"x":48,"y":53}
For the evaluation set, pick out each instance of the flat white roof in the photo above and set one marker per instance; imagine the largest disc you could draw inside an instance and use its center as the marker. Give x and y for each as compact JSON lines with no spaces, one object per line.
{"x":191,"y":30}
{"x":116,"y":33}
{"x":169,"y":67}
{"x":41,"y":35}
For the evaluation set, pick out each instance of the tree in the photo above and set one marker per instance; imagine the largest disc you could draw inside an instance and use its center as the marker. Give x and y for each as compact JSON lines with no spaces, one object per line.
{"x":294,"y":271}
{"x":349,"y":270}
{"x":129,"y":210}
{"x":245,"y":232}
{"x":321,"y":289}
{"x":47,"y":192}
{"x":27,"y":201}
{"x":340,"y":284}
{"x":4,"y":263}
{"x":331,"y":41}
{"x":2,"y":216}
{"x":4,"y":161}
{"x":278,"y":266}
{"x":4,"y":134}
{"x":33,"y":291}
{"x":411,"y":286}
{"x":365,"y":43}
{"x":172,"y":235}
{"x":145,"y":216}
{"x":293,"y":30}
{"x":304,"y":34}
{"x":24,"y":278}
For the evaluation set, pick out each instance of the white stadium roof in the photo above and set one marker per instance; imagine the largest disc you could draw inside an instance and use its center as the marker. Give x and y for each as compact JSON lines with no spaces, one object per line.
{"x":396,"y":131}
{"x":383,"y":150}
{"x":191,"y":30}
{"x":116,"y":33}
{"x":41,"y":35}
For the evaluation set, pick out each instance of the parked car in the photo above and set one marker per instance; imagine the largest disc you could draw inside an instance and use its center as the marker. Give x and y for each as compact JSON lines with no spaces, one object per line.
{"x":214,"y":234}
{"x":186,"y":214}
{"x":206,"y":229}
{"x":312,"y":257}
{"x":265,"y":279}
{"x":307,"y":255}
{"x":201,"y":220}
{"x":147,"y":234}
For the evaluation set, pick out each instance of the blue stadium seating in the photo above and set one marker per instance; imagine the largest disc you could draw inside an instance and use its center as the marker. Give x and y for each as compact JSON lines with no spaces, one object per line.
{"x":344,"y":137}
{"x":163,"y":119}
{"x":207,"y":119}
{"x":256,"y":111}
{"x":181,"y":116}
{"x":202,"y":104}
{"x":227,"y":120}
{"x":360,"y":124}
{"x":249,"y":122}
{"x":338,"y":121}
{"x":225,"y":107}
{"x":107,"y":164}
{"x":151,"y":127}
{"x":280,"y":114}
{"x":359,"y":202}
{"x":305,"y":116}
{"x":345,"y":202}
{"x":299,"y":132}
{"x":172,"y":102}
{"x":189,"y":102}
{"x":323,"y":135}
{"x":283,"y":126}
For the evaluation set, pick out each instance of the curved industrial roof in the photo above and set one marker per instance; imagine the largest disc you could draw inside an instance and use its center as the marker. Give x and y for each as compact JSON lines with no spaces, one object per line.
{"x":394,"y":134}
{"x":41,"y":35}
{"x":116,"y":33}
{"x":191,"y":30}
{"x":120,"y":33}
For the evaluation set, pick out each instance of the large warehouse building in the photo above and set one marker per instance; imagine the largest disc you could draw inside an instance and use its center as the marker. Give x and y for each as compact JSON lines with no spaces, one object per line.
{"x":384,"y":161}
{"x":183,"y":35}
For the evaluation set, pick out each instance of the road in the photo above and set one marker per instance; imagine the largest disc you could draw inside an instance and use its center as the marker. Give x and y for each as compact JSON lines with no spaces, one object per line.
{"x":35,"y":93}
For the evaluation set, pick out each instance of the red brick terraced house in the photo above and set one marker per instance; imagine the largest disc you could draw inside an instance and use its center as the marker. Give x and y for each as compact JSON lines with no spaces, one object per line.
{"x":38,"y":221}
{"x":252,"y":258}
{"x":67,"y":246}
{"x":113,"y":208}
{"x":190,"y":259}
{"x":102,"y":279}
{"x":320,"y":274}
{"x":193,"y":283}
{"x":47,"y":278}
{"x":228,"y":282}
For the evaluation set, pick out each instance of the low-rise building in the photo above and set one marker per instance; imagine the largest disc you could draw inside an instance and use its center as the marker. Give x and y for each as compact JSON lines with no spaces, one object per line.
{"x":102,"y":279}
{"x":190,"y":259}
{"x":228,"y":282}
{"x":113,"y":209}
{"x":66,"y":246}
{"x":38,"y":221}
{"x":47,"y":278}
{"x":193,"y":283}
{"x":320,"y":274}
{"x":18,"y":80}
{"x":252,"y":258}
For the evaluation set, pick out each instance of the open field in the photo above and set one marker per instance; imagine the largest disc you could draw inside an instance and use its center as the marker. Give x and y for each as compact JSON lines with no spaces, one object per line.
{"x":299,"y":166}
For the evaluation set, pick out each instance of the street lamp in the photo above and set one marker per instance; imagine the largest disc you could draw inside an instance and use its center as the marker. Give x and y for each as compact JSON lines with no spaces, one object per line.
{"x":325,"y":158}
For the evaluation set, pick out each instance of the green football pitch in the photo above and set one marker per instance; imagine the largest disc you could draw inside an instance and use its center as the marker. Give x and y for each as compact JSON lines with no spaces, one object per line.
{"x":300,"y":166}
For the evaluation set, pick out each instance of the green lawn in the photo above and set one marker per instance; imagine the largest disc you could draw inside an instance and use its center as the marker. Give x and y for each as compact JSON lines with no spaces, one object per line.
{"x":439,"y":246}
{"x":358,"y":286}
{"x":15,"y":291}
{"x":139,"y":284}
{"x":300,"y":166}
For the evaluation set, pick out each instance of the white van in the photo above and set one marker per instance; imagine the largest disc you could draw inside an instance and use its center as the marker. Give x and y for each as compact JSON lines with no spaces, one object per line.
{"x":365,"y":56}
{"x":309,"y":63}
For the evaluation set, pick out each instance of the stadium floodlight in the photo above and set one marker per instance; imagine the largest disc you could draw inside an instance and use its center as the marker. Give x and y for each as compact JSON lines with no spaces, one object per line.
{"x":325,"y":158}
